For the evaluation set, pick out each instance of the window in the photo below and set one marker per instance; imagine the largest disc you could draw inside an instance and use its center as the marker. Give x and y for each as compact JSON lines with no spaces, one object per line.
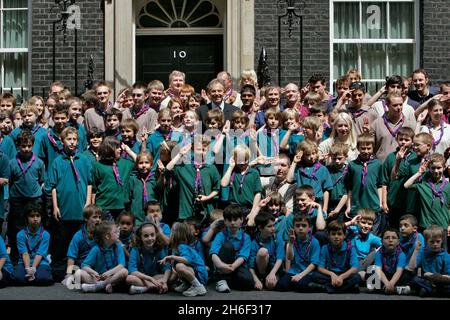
{"x":376,"y":37}
{"x":14,"y":45}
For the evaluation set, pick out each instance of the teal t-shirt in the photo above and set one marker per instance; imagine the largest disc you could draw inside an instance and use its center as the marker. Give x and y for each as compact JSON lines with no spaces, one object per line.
{"x":364,"y":195}
{"x":109,"y":192}
{"x":185,"y":175}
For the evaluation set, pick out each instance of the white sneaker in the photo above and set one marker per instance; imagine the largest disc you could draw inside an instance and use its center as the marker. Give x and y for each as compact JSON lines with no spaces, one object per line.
{"x":87,"y":287}
{"x":182,"y":287}
{"x":222,"y":286}
{"x":195,"y":291}
{"x":137,"y":289}
{"x":406,"y":290}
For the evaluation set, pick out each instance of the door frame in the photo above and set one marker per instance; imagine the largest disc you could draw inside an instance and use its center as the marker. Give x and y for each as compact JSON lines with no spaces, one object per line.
{"x":120,"y":39}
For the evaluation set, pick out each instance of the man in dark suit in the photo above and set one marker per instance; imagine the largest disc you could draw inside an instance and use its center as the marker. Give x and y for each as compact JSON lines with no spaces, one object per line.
{"x":216,"y":91}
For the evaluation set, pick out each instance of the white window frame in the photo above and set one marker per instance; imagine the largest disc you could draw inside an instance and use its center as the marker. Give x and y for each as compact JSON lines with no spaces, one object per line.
{"x":15,"y":50}
{"x":361,"y":40}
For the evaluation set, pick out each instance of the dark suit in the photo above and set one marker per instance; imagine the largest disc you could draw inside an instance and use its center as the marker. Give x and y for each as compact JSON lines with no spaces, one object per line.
{"x":203,"y":110}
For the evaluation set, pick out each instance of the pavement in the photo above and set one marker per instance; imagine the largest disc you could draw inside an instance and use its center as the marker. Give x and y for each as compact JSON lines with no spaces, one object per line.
{"x":60,"y":292}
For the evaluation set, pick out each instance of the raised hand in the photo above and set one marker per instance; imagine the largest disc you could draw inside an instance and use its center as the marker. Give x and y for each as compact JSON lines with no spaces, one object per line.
{"x":422,"y":116}
{"x":298,"y":157}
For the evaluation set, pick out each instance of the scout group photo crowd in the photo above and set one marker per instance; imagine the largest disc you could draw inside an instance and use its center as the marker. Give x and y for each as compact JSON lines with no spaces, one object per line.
{"x":275,"y":188}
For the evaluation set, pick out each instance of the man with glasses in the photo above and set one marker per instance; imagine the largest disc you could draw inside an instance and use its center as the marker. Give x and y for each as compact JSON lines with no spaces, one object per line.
{"x":144,"y":115}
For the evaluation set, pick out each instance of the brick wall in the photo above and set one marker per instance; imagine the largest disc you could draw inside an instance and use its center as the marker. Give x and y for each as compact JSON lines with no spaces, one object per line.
{"x":90,"y":41}
{"x":436,"y":39}
{"x":316,"y":52}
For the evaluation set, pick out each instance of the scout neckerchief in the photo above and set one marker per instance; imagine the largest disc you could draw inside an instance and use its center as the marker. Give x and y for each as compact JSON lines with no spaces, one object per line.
{"x":297,"y":246}
{"x":143,"y":110}
{"x":347,"y":253}
{"x":58,"y":149}
{"x":385,"y":107}
{"x":117,"y":174}
{"x":412,"y":241}
{"x":144,"y":183}
{"x":436,"y":142}
{"x":101,"y":112}
{"x":115,"y":261}
{"x":365,"y":169}
{"x":313,"y":174}
{"x":341,"y":176}
{"x":386,"y":267}
{"x":84,"y":233}
{"x":356,"y":114}
{"x":198,"y":179}
{"x":439,"y":192}
{"x":30,"y":250}
{"x":228,"y":94}
{"x":35,"y":129}
{"x":72,"y":164}
{"x":95,"y":154}
{"x":170,"y":93}
{"x":227,"y":238}
{"x":243,"y":176}
{"x":166,"y":136}
{"x":141,"y":257}
{"x":127,"y":241}
{"x":272,"y":253}
{"x":396,"y":128}
{"x":30,"y":163}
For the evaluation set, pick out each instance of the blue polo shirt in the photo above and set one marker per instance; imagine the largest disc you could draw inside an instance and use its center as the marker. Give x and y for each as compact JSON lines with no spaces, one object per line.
{"x":8,"y":267}
{"x":363,"y":244}
{"x":305,"y":253}
{"x":80,"y":245}
{"x":35,"y":244}
{"x":197,"y":245}
{"x":408,"y":245}
{"x":338,"y":261}
{"x":294,"y":140}
{"x":241,"y":243}
{"x":49,"y":150}
{"x":104,"y":259}
{"x":147,"y":261}
{"x":71,"y":189}
{"x":287,"y":223}
{"x":7,"y":146}
{"x":195,"y":261}
{"x":434,"y":262}
{"x":156,"y":138}
{"x":275,"y":246}
{"x":38,"y":132}
{"x":319,"y":180}
{"x":393,"y":262}
{"x":28,"y":185}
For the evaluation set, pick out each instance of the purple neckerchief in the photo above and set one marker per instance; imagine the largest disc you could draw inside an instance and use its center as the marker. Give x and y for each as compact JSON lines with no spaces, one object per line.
{"x":313,"y":174}
{"x":243,"y":176}
{"x":341,"y":176}
{"x":117,"y":174}
{"x":24,"y":171}
{"x":365,"y":169}
{"x":27,"y":241}
{"x":198,"y":178}
{"x":143,"y":110}
{"x":436,"y":142}
{"x":54,"y":143}
{"x":438,"y":193}
{"x":144,"y":182}
{"x":386,"y":267}
{"x":297,"y":246}
{"x":72,"y":163}
{"x":411,"y":242}
{"x":166,"y":136}
{"x":331,"y":253}
{"x":396,"y":127}
{"x":356,"y":114}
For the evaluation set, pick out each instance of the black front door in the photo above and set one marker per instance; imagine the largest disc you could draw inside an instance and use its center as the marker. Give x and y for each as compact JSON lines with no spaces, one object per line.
{"x":200,"y":57}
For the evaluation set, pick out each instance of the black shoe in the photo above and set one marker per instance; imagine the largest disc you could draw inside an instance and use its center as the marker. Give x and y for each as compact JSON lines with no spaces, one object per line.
{"x":316,"y":287}
{"x":423,"y":293}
